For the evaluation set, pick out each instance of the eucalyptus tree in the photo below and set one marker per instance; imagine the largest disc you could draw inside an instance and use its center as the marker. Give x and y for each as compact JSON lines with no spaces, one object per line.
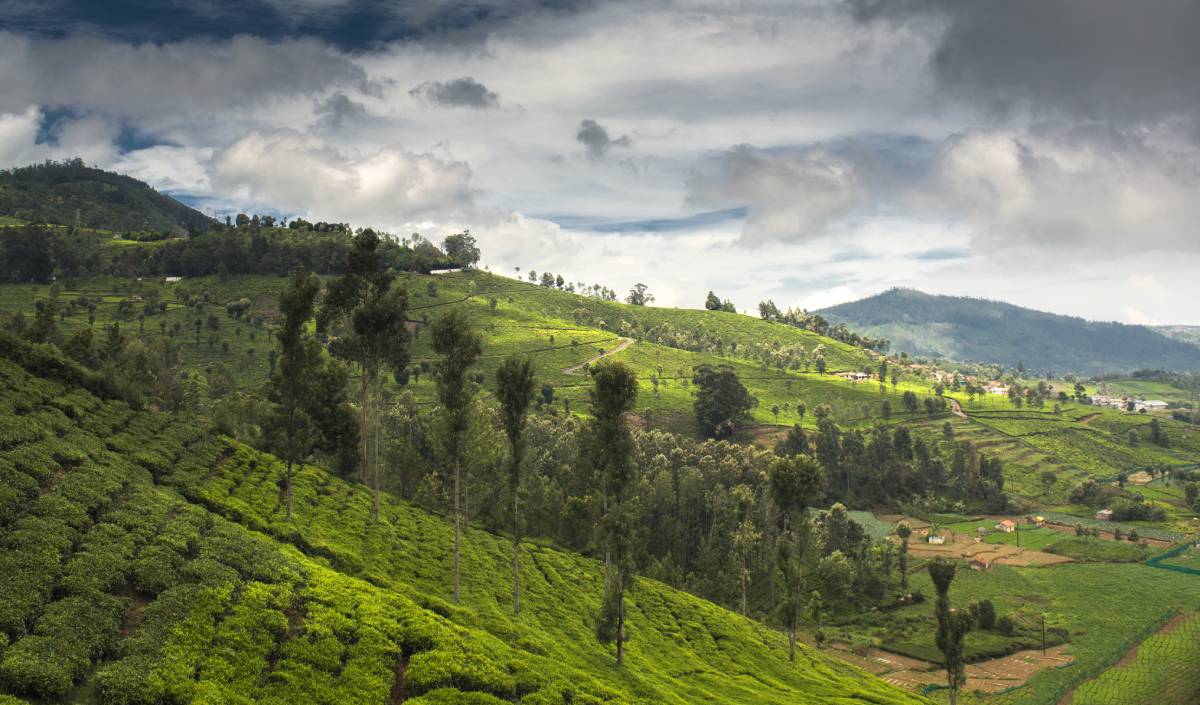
{"x":306,"y":389}
{"x":610,"y":445}
{"x":794,"y":483}
{"x":366,"y":316}
{"x":459,"y":346}
{"x":952,"y":626}
{"x":515,"y":390}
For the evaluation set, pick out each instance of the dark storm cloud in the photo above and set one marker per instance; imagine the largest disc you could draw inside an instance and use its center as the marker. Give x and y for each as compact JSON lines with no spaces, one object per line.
{"x":594,"y":137}
{"x":337,"y":111}
{"x":349,"y":25}
{"x":90,"y":73}
{"x":1106,"y":60}
{"x":463,"y":92}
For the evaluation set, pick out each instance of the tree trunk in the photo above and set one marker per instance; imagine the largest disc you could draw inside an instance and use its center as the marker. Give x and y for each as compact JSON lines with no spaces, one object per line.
{"x":363,"y":425}
{"x":516,"y":557}
{"x":378,"y":431}
{"x":792,"y":645}
{"x":621,"y":626}
{"x":288,"y":489}
{"x":457,"y":528}
{"x":744,"y":571}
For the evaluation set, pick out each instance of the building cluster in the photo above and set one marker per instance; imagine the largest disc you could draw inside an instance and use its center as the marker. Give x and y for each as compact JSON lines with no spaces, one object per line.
{"x":1124,"y":402}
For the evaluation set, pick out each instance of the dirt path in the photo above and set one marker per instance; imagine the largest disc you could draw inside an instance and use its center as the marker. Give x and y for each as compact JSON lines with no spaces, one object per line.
{"x":625,"y":342}
{"x":990,"y":676}
{"x":956,"y":408}
{"x":1087,"y":419}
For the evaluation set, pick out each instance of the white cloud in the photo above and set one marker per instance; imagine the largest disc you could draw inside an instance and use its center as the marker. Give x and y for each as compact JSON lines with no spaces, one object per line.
{"x":299,"y":172}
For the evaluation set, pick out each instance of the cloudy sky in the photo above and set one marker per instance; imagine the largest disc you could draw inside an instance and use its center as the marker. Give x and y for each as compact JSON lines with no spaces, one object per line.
{"x":1044,"y":152}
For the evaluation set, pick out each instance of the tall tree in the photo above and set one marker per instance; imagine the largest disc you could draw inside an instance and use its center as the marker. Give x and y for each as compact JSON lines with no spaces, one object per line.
{"x":952,"y":626}
{"x":290,"y":429}
{"x":903,"y":530}
{"x":367,"y":317}
{"x":794,"y":483}
{"x":609,"y":443}
{"x":514,"y":389}
{"x":458,"y":346}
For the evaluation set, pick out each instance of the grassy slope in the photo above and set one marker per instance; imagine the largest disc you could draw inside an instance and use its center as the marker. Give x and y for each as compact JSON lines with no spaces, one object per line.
{"x":526,"y":317}
{"x":145,"y":560}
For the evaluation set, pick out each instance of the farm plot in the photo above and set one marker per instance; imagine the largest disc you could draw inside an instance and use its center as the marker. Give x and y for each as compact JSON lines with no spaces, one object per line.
{"x":1164,"y":670}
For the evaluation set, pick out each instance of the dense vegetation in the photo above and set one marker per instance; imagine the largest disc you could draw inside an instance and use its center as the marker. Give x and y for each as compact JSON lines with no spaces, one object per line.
{"x":148,"y":560}
{"x":69,"y":193}
{"x":963,"y":328}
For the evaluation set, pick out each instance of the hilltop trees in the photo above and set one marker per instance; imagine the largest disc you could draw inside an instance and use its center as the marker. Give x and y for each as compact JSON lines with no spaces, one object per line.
{"x":609,"y":444}
{"x":458,"y":347}
{"x":721,"y":400}
{"x":712,"y":303}
{"x":367,"y":318}
{"x":514,"y":390}
{"x":639,"y":295}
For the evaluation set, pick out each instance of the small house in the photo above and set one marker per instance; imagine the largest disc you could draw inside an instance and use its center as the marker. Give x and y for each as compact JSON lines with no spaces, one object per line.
{"x":981,"y":564}
{"x":1039,"y":521}
{"x":936,"y":539}
{"x":1104,"y":515}
{"x":1007,"y":526}
{"x":438,"y":272}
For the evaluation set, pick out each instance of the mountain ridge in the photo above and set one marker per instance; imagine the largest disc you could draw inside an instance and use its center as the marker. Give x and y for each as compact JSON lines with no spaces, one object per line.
{"x":983,"y":330}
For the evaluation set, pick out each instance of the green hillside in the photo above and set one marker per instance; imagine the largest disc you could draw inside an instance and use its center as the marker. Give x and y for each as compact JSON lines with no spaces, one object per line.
{"x":146,"y":560}
{"x":59,"y":193}
{"x":966,"y":329}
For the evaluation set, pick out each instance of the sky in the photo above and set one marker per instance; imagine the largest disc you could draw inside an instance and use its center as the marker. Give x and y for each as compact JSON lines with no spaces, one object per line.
{"x":1041,"y":152}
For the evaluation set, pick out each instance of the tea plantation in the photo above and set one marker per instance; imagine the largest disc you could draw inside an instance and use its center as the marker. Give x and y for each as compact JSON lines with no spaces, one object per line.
{"x":145,"y":560}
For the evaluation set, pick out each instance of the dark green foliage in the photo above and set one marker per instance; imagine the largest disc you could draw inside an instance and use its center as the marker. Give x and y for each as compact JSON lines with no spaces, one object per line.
{"x":721,"y":400}
{"x":57,"y":192}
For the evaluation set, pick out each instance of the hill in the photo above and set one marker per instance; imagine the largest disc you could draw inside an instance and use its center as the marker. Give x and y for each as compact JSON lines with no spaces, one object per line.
{"x":979,"y":330}
{"x":145,"y":559}
{"x":55,"y":192}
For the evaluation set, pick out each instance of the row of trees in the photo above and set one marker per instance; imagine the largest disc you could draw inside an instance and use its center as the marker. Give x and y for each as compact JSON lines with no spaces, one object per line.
{"x":40,"y":254}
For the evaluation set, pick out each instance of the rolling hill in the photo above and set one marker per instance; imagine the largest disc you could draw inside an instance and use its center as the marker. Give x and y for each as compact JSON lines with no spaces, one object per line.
{"x":979,"y":330}
{"x":146,"y":559}
{"x":54,"y":193}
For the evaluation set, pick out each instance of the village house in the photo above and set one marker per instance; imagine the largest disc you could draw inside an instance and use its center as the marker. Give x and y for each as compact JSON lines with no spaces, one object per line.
{"x":1150,"y":405}
{"x":1007,"y":526}
{"x":997,"y":388}
{"x":981,"y":564}
{"x":1104,"y":515}
{"x":855,"y":376}
{"x":936,"y":539}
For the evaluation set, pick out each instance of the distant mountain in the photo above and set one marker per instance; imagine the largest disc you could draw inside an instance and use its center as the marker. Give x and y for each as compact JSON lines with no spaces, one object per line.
{"x":978,"y":330}
{"x":1188,"y":334}
{"x":55,"y":191}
